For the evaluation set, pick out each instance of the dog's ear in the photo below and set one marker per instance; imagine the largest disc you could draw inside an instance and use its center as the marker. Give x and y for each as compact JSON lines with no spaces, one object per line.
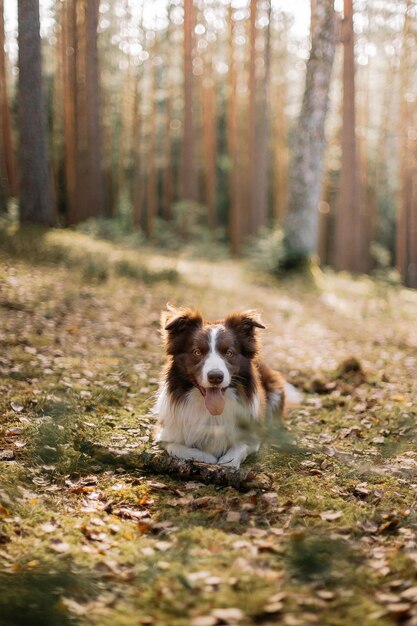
{"x":243,"y":325}
{"x":244,"y":321}
{"x":178,"y":319}
{"x":175,"y":322}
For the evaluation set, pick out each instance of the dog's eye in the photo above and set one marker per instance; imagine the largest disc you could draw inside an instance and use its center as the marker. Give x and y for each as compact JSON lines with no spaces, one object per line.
{"x":229,"y":353}
{"x":197,"y":352}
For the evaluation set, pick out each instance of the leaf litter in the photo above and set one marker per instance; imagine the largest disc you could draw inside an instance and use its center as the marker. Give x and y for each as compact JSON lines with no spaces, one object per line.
{"x":333,"y":538}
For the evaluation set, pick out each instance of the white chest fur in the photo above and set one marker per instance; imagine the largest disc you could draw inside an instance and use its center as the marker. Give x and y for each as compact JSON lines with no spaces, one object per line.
{"x":189,"y":423}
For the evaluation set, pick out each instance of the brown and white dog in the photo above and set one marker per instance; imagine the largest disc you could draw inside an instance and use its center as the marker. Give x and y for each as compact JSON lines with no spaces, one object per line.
{"x":215,"y":389}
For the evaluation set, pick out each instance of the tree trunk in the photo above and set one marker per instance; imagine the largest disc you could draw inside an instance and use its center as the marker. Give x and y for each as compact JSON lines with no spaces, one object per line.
{"x":167,"y":175}
{"x":35,"y":202}
{"x":261,"y":194}
{"x":8,"y":173}
{"x":348,"y":248}
{"x":94,"y":109}
{"x":235,"y":208}
{"x":366,"y":203}
{"x":151,"y":157}
{"x":210,"y":142}
{"x":301,"y":223}
{"x":137,"y":132}
{"x":189,"y":174}
{"x":253,"y":222}
{"x":82,"y":117}
{"x":280,"y":182}
{"x":69,"y":51}
{"x":406,"y":239}
{"x":137,"y":194}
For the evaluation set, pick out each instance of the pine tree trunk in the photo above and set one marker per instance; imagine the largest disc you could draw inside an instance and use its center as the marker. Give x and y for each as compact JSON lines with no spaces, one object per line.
{"x":281,"y":157}
{"x":137,"y":160}
{"x":280,"y":179}
{"x":210,"y":142}
{"x":69,"y":51}
{"x":35,"y":203}
{"x":253,"y":221}
{"x":189,"y":173}
{"x":365,"y":196}
{"x":261,"y":194}
{"x":82,"y":112}
{"x":301,"y":223}
{"x":348,"y":248}
{"x":137,"y":194}
{"x":167,"y":174}
{"x":8,"y":173}
{"x":94,"y":109}
{"x":235,"y":208}
{"x":151,"y":156}
{"x":406,"y":239}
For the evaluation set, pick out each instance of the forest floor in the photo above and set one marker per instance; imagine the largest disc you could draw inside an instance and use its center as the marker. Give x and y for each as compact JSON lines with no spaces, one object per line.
{"x":332,"y":542}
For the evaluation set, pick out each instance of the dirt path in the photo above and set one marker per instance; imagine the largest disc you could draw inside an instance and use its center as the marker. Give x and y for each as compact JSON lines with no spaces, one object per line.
{"x":333,"y":542}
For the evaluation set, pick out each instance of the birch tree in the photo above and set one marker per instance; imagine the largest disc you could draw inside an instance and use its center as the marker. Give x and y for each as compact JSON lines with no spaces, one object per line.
{"x":301,"y":223}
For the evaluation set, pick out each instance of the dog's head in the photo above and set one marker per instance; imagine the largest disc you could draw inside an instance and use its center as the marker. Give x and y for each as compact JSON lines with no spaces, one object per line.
{"x":211,"y":356}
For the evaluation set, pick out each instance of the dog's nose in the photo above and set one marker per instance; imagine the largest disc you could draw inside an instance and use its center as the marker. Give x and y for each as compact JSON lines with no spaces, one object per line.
{"x":215,"y":377}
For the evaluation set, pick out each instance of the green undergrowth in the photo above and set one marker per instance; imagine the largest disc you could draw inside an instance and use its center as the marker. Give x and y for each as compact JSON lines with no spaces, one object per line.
{"x":94,"y":259}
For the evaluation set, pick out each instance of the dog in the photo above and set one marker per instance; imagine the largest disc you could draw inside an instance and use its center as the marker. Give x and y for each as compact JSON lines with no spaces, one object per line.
{"x":215,"y":389}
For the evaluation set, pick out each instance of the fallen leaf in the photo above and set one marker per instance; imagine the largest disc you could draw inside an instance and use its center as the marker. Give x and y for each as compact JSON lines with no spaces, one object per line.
{"x":6,"y":455}
{"x":273,"y":607}
{"x":17,"y":408}
{"x":398,"y":608}
{"x":48,"y":527}
{"x":228,"y":616}
{"x":62,"y":547}
{"x":13,"y":432}
{"x":4,"y":511}
{"x":409,"y":594}
{"x":331,"y":516}
{"x":325,"y":594}
{"x":204,"y":620}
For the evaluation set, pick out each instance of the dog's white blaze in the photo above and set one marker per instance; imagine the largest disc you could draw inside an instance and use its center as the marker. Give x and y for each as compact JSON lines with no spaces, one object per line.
{"x":214,"y":361}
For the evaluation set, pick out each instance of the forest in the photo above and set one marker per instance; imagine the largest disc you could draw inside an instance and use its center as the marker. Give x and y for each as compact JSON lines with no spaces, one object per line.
{"x":252,"y":160}
{"x":192,"y":121}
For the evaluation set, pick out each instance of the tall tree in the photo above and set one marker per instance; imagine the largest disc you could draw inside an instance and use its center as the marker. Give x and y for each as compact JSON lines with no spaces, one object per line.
{"x":406,"y":238}
{"x":260,"y":197}
{"x":167,"y":175}
{"x":151,"y":171}
{"x":279,"y":98}
{"x":235,"y":207}
{"x":189,"y":174}
{"x":8,"y":174}
{"x":35,"y":202}
{"x":348,"y":247}
{"x":210,"y":140}
{"x":69,"y":47}
{"x":301,"y":223}
{"x":252,"y":225}
{"x":82,"y":117}
{"x":258,"y":120}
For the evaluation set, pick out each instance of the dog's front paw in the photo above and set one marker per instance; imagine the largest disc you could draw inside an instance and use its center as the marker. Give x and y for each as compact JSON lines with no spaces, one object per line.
{"x":190,"y":454}
{"x":234,"y":456}
{"x":230,"y":459}
{"x":207,"y":458}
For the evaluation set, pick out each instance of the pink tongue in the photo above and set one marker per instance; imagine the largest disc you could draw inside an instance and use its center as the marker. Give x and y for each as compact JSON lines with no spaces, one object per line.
{"x":214,"y":400}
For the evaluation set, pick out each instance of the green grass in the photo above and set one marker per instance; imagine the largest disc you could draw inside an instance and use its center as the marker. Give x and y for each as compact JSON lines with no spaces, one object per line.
{"x":95,"y":259}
